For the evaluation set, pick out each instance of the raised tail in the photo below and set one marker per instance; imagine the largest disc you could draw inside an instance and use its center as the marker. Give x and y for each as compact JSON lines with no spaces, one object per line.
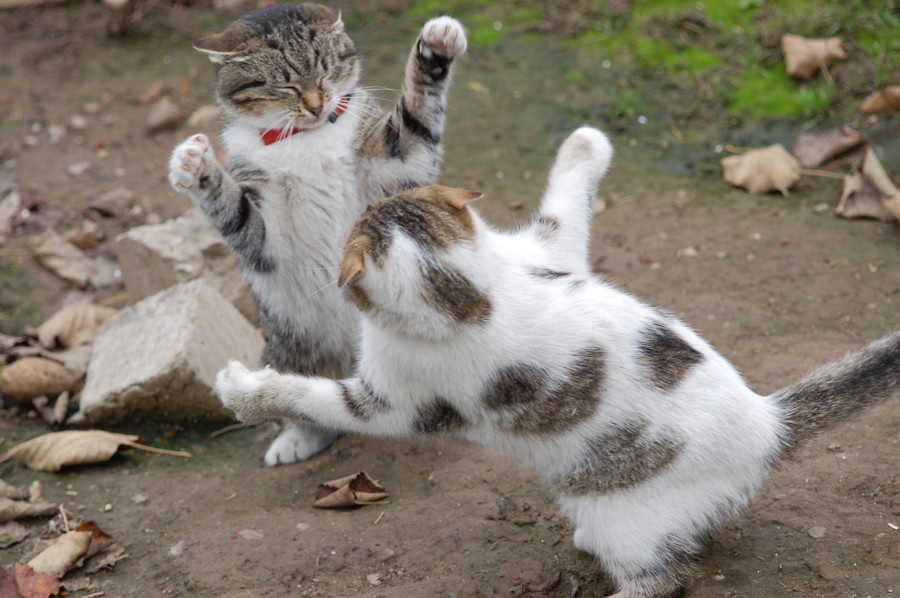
{"x":838,"y":390}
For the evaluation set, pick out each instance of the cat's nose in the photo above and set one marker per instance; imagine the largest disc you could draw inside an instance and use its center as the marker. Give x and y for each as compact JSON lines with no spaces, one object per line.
{"x":316,"y":110}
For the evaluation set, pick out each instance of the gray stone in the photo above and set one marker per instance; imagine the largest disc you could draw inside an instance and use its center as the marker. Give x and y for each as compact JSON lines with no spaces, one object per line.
{"x":164,"y":115}
{"x":155,"y":257}
{"x":158,"y":359}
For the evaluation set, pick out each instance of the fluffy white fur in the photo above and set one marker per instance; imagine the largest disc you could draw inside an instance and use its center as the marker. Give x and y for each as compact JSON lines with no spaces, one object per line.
{"x":411,"y":353}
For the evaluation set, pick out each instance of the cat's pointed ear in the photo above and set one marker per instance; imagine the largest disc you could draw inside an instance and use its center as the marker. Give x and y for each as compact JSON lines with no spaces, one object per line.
{"x":353,"y":263}
{"x":222,"y":46}
{"x":458,"y":198}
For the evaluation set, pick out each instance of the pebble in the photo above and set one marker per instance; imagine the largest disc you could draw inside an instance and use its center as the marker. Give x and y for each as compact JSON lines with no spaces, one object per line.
{"x":164,"y":115}
{"x":78,"y":122}
{"x":79,"y":168}
{"x":250,"y":534}
{"x":177,"y":551}
{"x":140,"y":499}
{"x":204,"y":115}
{"x":689,"y":252}
{"x":816,"y":531}
{"x":31,"y":141}
{"x":302,"y":527}
{"x":56,"y":133}
{"x":374,"y":579}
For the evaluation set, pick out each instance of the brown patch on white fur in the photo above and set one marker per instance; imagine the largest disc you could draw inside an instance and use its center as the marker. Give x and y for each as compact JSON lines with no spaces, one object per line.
{"x":573,"y":152}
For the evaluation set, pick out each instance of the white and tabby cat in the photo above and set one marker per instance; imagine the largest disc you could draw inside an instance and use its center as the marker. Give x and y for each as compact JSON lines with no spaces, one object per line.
{"x":307,"y":150}
{"x":647,"y":435}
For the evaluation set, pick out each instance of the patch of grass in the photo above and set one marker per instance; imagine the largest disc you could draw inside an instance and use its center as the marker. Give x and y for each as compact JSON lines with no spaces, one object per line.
{"x":656,"y":54}
{"x":772,"y":93}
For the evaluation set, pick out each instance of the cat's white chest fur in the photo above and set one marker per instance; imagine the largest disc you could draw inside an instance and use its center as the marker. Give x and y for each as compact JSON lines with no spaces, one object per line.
{"x":309,"y":203}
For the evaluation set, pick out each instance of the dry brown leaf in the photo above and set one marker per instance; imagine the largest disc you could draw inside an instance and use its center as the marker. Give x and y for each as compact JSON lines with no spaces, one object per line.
{"x":768,"y":169}
{"x":10,"y":491}
{"x":12,"y":532}
{"x":62,"y":555}
{"x":814,"y":149}
{"x":8,"y":586}
{"x":73,"y":325}
{"x":869,"y":192}
{"x":32,"y":584}
{"x":18,"y":509}
{"x":804,"y":56}
{"x":62,"y":258}
{"x":349,"y":491}
{"x":884,"y":100}
{"x":51,"y":452}
{"x":31,"y":377}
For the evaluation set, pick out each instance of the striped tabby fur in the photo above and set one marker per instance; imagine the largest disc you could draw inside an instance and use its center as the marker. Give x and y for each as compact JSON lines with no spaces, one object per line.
{"x":286,"y":207}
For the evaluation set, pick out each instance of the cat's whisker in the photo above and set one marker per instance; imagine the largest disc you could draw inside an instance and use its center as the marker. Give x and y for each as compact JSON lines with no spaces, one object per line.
{"x":311,"y":295}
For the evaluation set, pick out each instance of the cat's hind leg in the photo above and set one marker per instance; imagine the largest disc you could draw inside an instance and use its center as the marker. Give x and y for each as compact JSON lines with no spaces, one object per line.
{"x":563,"y":224}
{"x":299,"y":442}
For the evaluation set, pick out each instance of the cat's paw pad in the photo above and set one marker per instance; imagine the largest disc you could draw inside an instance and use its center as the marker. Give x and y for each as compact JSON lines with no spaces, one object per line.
{"x":298,"y":443}
{"x":586,"y":147}
{"x":239,"y":390}
{"x":444,"y":36}
{"x":192,"y":164}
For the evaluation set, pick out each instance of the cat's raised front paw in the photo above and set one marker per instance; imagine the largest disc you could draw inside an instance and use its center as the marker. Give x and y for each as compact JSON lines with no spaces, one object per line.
{"x":192,"y":165}
{"x":239,"y":390}
{"x":444,"y":36}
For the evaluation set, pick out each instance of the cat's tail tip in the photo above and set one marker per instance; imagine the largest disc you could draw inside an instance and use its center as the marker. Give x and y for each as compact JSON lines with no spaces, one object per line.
{"x":840,"y":389}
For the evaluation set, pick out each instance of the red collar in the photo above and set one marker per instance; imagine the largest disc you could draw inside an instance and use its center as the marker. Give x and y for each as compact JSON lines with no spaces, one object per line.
{"x":270,"y":136}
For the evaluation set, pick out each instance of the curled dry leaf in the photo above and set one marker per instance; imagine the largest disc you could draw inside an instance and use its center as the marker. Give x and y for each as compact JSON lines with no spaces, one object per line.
{"x":816,"y":148}
{"x":349,"y":491}
{"x":804,"y":56}
{"x":768,"y":169}
{"x":885,"y":100}
{"x":62,"y":555}
{"x":19,"y":509}
{"x":31,"y":377}
{"x":869,"y":192}
{"x":73,"y":325}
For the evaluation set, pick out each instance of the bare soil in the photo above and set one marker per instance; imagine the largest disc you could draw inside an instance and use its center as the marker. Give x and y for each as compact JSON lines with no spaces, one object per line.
{"x":777,"y":285}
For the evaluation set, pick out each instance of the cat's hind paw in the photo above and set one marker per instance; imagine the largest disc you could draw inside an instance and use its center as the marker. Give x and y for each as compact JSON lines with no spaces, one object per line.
{"x":193,"y":164}
{"x":240,"y":391}
{"x":585,"y":148}
{"x":299,"y":442}
{"x":444,"y":36}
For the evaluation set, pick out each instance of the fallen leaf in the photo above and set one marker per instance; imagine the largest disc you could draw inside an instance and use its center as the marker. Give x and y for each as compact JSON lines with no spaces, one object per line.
{"x":8,"y":586}
{"x":62,"y":258}
{"x":12,"y":532}
{"x":869,"y":192}
{"x":10,"y":491}
{"x":32,"y":584}
{"x":762,"y":170}
{"x":804,"y":56}
{"x":884,"y":100}
{"x":62,"y":555}
{"x":73,"y":325}
{"x":349,"y":491}
{"x":19,"y":509}
{"x":50,"y":452}
{"x":816,"y":148}
{"x":31,"y":377}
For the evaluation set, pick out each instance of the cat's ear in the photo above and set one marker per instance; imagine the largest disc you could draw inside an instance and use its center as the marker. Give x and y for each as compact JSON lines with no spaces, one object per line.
{"x":457,"y":198}
{"x":222,"y":46}
{"x":353,"y":263}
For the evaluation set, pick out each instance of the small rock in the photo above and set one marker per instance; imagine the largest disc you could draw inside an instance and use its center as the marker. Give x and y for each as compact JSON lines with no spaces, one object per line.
{"x":250,"y":534}
{"x":79,"y":168}
{"x":821,"y":208}
{"x":302,"y":527}
{"x":107,"y":507}
{"x":177,"y":551}
{"x":816,"y":531}
{"x":92,"y":107}
{"x":204,"y":115}
{"x":140,"y":499}
{"x":164,"y":115}
{"x":598,"y":206}
{"x":374,"y":579}
{"x":156,"y":90}
{"x":386,"y":555}
{"x":31,"y":141}
{"x":113,"y":203}
{"x":689,"y":252}
{"x":56,"y":133}
{"x":78,"y":122}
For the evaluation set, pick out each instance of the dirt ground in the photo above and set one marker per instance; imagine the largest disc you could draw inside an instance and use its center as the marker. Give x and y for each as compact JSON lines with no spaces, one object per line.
{"x":777,"y":285}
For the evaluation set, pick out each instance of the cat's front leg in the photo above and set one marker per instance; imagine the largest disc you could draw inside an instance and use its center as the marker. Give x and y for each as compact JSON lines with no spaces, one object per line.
{"x":230,"y":204}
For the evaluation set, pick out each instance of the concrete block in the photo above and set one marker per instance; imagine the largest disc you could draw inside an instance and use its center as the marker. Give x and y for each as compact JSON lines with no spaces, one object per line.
{"x":154,"y":257}
{"x":158,"y":359}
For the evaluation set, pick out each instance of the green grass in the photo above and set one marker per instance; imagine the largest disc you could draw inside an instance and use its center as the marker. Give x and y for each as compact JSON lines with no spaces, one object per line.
{"x":772,"y":93}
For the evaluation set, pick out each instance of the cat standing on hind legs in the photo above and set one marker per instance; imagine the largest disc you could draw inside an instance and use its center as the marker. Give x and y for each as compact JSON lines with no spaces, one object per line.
{"x":307,"y":150}
{"x":649,"y":438}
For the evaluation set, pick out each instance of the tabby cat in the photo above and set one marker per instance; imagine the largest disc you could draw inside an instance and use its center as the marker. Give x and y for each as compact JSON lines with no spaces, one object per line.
{"x":647,"y":435}
{"x":307,"y":149}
